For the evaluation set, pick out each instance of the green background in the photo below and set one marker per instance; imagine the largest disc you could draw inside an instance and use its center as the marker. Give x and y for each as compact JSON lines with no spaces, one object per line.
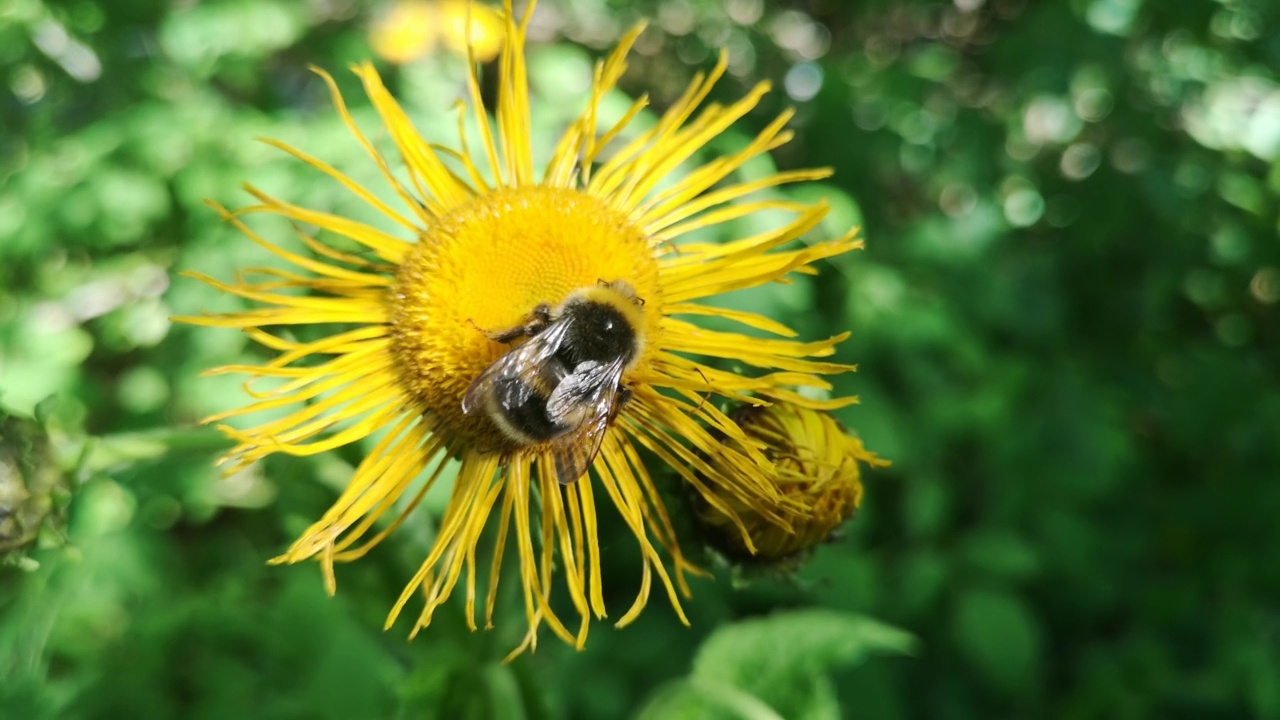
{"x":1065,"y":324}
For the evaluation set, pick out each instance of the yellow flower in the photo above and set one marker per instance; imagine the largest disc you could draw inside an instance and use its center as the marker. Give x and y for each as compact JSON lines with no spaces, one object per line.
{"x":410,"y":29}
{"x":483,"y":239}
{"x":815,"y":465}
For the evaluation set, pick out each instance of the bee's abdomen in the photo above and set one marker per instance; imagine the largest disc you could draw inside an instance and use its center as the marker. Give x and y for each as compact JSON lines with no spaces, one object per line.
{"x":521,"y":413}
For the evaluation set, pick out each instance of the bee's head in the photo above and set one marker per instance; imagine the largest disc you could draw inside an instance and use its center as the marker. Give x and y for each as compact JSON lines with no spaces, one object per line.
{"x":623,"y":288}
{"x":608,"y":320}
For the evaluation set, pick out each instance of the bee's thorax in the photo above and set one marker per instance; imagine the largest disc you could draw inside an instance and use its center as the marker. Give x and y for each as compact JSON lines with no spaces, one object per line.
{"x":600,"y":333}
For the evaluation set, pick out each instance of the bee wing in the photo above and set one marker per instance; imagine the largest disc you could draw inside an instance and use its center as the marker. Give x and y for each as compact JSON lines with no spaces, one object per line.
{"x":591,"y":389}
{"x":507,"y":375}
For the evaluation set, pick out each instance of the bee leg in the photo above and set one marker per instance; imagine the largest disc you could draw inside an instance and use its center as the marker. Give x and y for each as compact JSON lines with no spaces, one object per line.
{"x":539,"y":319}
{"x":666,"y":241}
{"x":703,"y":401}
{"x":624,"y":397}
{"x":506,"y":336}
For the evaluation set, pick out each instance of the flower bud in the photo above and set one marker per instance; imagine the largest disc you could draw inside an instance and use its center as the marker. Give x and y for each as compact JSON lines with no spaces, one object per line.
{"x":815,"y":465}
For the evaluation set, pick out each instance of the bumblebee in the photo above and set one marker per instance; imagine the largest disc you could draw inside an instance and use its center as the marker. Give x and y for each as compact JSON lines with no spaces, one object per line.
{"x":563,"y":385}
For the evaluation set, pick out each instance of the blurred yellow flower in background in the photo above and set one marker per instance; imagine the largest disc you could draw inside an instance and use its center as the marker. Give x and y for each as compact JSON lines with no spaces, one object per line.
{"x":401,"y":331}
{"x":410,"y":29}
{"x":815,"y":466}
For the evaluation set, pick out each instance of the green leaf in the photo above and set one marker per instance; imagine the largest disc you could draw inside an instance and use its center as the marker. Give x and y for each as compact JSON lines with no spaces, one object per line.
{"x":705,"y":700}
{"x":505,"y":698}
{"x":781,"y":659}
{"x":1000,"y":552}
{"x":1001,"y":638}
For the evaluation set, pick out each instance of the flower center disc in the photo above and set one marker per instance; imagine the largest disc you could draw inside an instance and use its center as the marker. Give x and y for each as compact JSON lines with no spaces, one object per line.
{"x":484,"y":267}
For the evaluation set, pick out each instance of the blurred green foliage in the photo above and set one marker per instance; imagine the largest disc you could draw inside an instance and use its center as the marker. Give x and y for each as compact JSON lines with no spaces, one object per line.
{"x":1066,"y":323}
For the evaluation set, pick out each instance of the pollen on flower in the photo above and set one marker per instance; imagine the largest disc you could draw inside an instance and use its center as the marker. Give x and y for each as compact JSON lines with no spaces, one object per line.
{"x":484,"y":267}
